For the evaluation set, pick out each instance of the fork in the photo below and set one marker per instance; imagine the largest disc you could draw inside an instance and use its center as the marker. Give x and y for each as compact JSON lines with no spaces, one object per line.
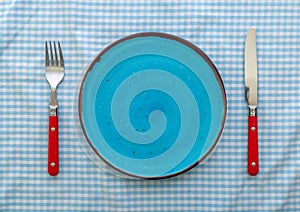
{"x":55,"y":71}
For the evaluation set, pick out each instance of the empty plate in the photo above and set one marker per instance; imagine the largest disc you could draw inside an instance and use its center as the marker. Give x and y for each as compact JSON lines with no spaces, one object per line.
{"x":152,"y":105}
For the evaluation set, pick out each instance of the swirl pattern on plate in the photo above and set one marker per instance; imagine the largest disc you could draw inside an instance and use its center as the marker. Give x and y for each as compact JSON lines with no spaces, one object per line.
{"x":148,"y":103}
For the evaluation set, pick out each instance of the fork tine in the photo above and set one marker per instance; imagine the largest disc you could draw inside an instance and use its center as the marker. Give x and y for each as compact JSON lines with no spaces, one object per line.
{"x":46,"y":54}
{"x":51,"y":54}
{"x":60,"y":56}
{"x":56,"y":58}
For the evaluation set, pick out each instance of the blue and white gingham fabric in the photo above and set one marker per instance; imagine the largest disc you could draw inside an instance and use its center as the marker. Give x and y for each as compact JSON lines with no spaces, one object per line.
{"x":84,"y":29}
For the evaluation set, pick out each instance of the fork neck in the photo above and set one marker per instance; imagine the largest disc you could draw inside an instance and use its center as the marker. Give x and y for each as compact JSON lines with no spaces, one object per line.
{"x":53,"y":104}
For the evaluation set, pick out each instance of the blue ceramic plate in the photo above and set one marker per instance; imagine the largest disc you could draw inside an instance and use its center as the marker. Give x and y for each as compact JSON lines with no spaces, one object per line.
{"x":152,"y":105}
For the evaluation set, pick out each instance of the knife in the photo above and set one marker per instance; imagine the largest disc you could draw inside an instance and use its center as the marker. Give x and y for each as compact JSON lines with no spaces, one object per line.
{"x":251,"y":97}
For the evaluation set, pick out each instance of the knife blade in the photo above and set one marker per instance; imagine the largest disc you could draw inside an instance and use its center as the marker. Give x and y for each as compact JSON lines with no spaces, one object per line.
{"x":251,"y":87}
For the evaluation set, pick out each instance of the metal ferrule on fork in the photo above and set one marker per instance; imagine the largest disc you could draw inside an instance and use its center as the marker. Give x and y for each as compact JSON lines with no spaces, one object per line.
{"x":53,"y":104}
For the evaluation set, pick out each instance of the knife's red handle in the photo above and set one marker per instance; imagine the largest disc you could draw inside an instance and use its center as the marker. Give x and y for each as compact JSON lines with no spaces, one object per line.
{"x":53,"y":165}
{"x":253,"y":167}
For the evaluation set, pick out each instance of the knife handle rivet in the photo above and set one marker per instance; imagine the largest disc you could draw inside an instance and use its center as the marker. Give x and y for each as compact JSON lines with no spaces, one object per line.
{"x":253,"y":129}
{"x":52,"y":129}
{"x":52,"y":164}
{"x":253,"y":164}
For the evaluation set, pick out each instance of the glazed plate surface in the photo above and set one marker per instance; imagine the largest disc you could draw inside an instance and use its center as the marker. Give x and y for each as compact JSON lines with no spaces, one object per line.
{"x":152,"y":105}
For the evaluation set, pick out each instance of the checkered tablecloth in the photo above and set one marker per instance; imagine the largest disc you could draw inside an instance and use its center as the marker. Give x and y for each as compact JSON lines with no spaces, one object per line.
{"x":84,"y":29}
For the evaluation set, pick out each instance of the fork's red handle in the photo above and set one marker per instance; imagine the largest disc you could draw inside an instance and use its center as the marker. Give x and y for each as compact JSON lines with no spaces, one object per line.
{"x":53,"y":165}
{"x":253,"y":167}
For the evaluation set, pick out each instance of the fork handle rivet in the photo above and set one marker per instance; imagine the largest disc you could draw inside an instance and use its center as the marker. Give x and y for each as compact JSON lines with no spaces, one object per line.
{"x":52,"y":164}
{"x":52,"y":129}
{"x":253,"y":129}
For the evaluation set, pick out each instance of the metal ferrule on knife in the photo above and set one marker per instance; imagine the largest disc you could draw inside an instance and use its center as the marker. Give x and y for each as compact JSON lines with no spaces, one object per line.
{"x":252,"y":110}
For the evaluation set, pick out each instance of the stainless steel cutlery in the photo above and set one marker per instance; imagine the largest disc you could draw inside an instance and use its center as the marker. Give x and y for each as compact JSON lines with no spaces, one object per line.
{"x":55,"y":71}
{"x":251,"y":97}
